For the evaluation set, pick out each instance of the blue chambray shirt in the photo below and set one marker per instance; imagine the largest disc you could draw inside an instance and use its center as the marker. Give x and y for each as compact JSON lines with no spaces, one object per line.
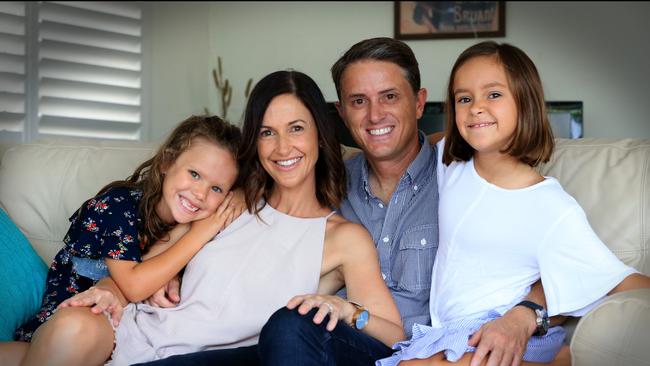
{"x":405,"y":232}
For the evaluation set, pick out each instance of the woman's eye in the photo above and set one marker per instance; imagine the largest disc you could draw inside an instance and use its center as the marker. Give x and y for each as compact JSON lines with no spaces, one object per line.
{"x":463,"y":100}
{"x":216,"y":189}
{"x":494,"y":95}
{"x":194,"y":174}
{"x":265,"y":133}
{"x":297,"y":128}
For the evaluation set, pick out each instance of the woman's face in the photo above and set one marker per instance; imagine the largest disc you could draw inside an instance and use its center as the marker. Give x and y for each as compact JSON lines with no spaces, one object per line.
{"x":287,"y":143}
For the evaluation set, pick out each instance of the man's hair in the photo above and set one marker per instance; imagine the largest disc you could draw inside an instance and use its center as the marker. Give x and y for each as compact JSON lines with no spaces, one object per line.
{"x":330,"y":170}
{"x":379,"y":49}
{"x":532,"y":141}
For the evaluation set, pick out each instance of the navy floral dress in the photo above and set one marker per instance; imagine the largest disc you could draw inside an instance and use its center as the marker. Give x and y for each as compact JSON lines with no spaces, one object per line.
{"x":105,"y":226}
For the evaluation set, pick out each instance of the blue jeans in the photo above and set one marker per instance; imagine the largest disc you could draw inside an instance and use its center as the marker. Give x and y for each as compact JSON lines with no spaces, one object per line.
{"x":243,"y":356}
{"x":289,"y":338}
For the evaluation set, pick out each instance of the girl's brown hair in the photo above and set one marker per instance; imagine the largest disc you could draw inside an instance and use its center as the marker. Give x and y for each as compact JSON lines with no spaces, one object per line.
{"x":330,"y":170}
{"x":148,"y":177}
{"x":532,"y":142}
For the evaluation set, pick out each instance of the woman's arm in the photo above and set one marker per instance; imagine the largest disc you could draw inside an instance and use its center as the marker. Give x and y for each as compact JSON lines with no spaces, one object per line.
{"x":138,"y":281}
{"x":365,"y":285}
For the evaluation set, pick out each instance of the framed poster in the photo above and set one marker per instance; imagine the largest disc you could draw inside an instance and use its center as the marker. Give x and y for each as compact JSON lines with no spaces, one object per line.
{"x":449,"y":19}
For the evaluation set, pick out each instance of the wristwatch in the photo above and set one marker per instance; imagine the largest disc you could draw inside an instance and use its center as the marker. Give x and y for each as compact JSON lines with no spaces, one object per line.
{"x":360,"y":317}
{"x":542,"y":317}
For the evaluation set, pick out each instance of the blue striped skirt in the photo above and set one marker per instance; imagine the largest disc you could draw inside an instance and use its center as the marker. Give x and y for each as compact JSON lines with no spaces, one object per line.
{"x":452,"y":339}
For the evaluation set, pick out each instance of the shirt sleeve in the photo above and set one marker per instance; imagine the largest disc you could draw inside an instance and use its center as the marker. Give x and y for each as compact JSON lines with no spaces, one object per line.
{"x":576,"y":267}
{"x":108,"y":226}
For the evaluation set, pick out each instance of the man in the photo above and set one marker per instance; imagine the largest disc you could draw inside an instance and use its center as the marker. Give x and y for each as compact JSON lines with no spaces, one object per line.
{"x":392,"y":191}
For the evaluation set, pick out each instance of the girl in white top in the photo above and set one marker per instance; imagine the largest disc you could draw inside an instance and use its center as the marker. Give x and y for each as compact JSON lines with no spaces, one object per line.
{"x":502,"y":225}
{"x":289,"y":243}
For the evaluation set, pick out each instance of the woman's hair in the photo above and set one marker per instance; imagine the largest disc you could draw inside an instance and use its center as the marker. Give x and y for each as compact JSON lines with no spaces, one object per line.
{"x":532,"y":142}
{"x":330,"y":171}
{"x":149,"y":176}
{"x":379,"y":49}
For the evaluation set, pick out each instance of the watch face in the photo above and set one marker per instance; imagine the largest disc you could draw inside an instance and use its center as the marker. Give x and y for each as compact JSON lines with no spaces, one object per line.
{"x":362,"y":319}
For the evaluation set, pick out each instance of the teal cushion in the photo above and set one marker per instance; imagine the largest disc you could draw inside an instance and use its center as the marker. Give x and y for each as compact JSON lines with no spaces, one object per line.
{"x":22,"y":278}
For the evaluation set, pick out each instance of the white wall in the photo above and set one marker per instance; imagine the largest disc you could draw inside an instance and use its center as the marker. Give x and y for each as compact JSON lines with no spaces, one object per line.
{"x":595,"y":52}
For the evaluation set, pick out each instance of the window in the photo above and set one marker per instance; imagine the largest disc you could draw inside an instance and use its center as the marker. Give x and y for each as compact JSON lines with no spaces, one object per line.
{"x":70,"y":69}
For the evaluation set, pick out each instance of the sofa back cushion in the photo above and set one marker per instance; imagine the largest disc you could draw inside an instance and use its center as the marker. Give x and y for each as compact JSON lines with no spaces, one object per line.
{"x":42,"y":184}
{"x":611,"y":181}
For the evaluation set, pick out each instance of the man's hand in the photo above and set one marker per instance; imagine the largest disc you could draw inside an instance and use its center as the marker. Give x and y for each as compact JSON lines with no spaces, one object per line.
{"x":504,"y":340}
{"x":168,"y":296}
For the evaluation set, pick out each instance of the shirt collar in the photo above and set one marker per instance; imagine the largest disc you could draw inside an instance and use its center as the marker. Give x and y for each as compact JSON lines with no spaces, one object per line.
{"x":418,"y":171}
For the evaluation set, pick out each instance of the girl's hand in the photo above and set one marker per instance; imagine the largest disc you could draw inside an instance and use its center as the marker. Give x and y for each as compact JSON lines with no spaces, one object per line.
{"x":168,"y":295}
{"x":210,"y":226}
{"x":101,"y":299}
{"x":336,"y":307}
{"x":238,"y":202}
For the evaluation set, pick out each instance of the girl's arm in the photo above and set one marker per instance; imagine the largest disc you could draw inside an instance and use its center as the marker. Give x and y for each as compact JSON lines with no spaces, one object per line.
{"x":160,"y":246}
{"x":138,"y":281}
{"x":632,"y":282}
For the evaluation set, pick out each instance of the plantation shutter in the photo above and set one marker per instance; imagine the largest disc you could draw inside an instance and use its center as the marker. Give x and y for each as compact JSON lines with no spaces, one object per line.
{"x":12,"y":71}
{"x":89,"y":69}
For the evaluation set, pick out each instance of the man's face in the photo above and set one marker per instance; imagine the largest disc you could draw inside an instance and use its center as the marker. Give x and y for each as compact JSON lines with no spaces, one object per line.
{"x":380,"y":109}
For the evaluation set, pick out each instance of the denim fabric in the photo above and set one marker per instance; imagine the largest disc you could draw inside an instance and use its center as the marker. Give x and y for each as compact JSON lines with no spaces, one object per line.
{"x":291,"y":339}
{"x":405,"y":231}
{"x":242,"y":356}
{"x":95,"y":269}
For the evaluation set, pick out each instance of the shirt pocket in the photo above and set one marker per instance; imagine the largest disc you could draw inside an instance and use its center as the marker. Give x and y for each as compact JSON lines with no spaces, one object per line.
{"x":417,"y":251}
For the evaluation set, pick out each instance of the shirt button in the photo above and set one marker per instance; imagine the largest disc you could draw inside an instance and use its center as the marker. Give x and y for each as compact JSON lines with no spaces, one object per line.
{"x":381,"y":205}
{"x":385,"y":239}
{"x":423,"y":241}
{"x":383,"y":276}
{"x":415,"y":187}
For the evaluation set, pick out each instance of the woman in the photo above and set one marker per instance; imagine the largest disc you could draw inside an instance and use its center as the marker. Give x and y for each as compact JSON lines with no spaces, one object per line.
{"x":283,"y":246}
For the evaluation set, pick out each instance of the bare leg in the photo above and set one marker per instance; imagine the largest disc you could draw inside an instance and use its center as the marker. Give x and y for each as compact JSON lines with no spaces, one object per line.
{"x":73,"y":336}
{"x":13,"y":353}
{"x":563,"y":358}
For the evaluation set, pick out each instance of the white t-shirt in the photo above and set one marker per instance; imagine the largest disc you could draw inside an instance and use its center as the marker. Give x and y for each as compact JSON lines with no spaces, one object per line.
{"x":495,"y":243}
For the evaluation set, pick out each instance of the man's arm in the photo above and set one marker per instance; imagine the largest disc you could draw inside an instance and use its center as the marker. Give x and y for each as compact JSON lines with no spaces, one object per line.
{"x":504,"y":340}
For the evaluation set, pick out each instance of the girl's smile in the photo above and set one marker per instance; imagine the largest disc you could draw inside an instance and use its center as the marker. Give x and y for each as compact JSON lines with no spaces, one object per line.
{"x":486,"y":112}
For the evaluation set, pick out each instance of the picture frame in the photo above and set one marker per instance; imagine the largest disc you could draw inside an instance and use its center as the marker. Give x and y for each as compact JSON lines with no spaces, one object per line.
{"x":449,"y":19}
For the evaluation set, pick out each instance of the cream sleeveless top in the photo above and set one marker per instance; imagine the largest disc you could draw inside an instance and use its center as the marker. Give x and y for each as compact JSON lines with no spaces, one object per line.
{"x":230,"y":289}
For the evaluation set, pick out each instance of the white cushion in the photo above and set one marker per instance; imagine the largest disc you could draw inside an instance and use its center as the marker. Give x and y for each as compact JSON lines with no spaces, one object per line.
{"x":42,"y":184}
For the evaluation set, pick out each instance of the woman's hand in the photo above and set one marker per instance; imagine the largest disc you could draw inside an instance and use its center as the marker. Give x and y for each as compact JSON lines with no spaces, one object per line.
{"x":101,"y":299}
{"x":336,"y":307}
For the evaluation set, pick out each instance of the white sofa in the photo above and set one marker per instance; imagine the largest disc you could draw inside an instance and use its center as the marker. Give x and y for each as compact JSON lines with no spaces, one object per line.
{"x":41,"y":184}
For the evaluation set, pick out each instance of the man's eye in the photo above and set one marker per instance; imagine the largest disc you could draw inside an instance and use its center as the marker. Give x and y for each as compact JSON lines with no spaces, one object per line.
{"x":391,"y":96}
{"x":358,"y":101}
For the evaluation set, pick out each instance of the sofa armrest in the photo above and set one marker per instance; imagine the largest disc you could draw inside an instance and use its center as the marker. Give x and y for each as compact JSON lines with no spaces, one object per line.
{"x":615,"y":332}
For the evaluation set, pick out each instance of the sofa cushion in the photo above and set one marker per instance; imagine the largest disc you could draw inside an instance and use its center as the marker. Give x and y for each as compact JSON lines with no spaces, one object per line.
{"x":22,"y":278}
{"x":610,"y":179}
{"x":614,"y":332}
{"x":43,"y":183}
